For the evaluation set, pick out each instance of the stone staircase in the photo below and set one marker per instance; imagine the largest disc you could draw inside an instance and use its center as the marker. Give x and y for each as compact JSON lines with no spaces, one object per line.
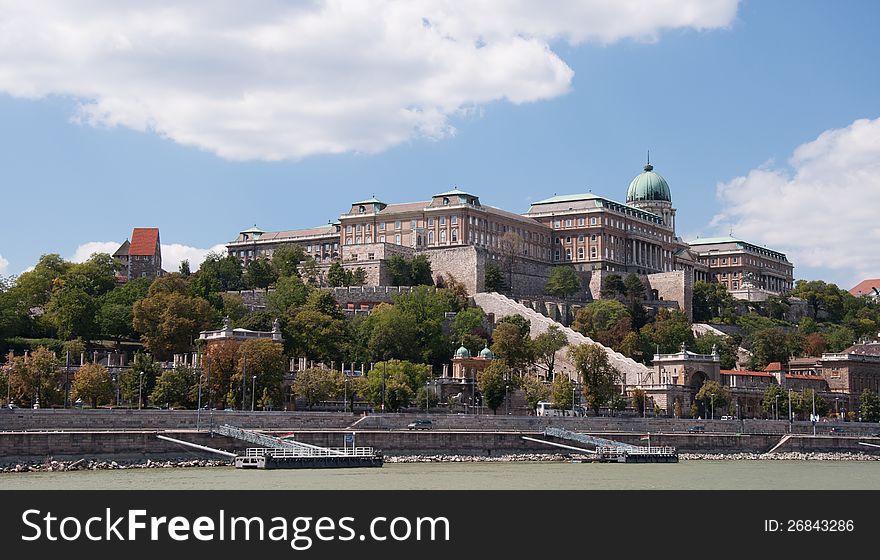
{"x":502,"y":306}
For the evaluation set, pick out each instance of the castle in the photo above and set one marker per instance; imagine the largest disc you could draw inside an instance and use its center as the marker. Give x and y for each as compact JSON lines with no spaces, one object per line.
{"x":595,"y":235}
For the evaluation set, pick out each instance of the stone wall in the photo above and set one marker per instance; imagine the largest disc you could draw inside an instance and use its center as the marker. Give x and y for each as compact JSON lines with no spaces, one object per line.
{"x":466,"y":264}
{"x":675,"y":286}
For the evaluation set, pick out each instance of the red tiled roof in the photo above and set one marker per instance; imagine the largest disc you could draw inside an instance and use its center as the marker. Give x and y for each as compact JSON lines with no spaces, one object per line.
{"x":774,"y":366}
{"x":144,"y":241}
{"x":801,"y":376}
{"x":865,"y":287}
{"x":745,"y":373}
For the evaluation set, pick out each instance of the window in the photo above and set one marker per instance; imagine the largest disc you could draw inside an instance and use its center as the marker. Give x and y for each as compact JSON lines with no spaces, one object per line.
{"x":454,"y":235}
{"x":442,"y":220}
{"x":568,"y":222}
{"x":568,"y":239}
{"x":371,"y":256}
{"x":381,"y":226}
{"x":592,"y":221}
{"x":430,"y":222}
{"x":593,"y":237}
{"x":580,"y":238}
{"x":556,"y":255}
{"x":580,"y":221}
{"x":358,"y":240}
{"x":381,"y":239}
{"x":735,"y":284}
{"x":568,"y":254}
{"x":442,"y":236}
{"x":348,"y":228}
{"x":430,"y":238}
{"x":354,"y":256}
{"x":348,"y":241}
{"x":397,"y":224}
{"x":369,"y":227}
{"x":580,"y":253}
{"x":454,"y":220}
{"x":357,"y":228}
{"x":445,"y":200}
{"x":592,"y":253}
{"x":362,"y":209}
{"x":397,"y":239}
{"x":308,"y":249}
{"x":557,"y":223}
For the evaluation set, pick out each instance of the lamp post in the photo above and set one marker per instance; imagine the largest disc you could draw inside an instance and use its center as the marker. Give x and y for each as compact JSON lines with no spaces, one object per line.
{"x":776,"y":407}
{"x":713,"y":406}
{"x":199,"y":405}
{"x":572,"y":399}
{"x":427,"y":395}
{"x":344,"y":391}
{"x":506,"y":399}
{"x":383,"y":386}
{"x":141,"y":391}
{"x":253,"y":392}
{"x":67,"y":380}
{"x":790,"y":418}
{"x":243,"y":377}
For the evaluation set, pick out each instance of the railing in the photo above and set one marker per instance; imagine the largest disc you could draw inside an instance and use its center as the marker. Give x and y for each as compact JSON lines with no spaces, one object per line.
{"x":318,"y":452}
{"x":587,"y":439}
{"x":274,"y":442}
{"x":617,"y":451}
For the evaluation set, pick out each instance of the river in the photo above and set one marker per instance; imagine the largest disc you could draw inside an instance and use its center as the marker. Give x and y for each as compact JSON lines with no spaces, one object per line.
{"x":686,"y":475}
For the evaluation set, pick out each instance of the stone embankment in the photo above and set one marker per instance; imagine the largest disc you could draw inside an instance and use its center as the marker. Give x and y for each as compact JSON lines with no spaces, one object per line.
{"x":513,"y":458}
{"x":787,"y":456}
{"x":83,"y":465}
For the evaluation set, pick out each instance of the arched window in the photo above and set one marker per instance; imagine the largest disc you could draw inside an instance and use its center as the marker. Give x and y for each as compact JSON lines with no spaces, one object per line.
{"x":430,"y":238}
{"x":454,"y":235}
{"x":443,"y":236}
{"x":362,"y":209}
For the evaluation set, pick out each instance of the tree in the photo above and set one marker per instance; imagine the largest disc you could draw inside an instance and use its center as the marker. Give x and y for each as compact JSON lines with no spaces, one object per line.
{"x":336,"y":275}
{"x":259,"y":273}
{"x":712,"y":302}
{"x":220,"y":363}
{"x":822,"y":298}
{"x":612,"y":286}
{"x":598,"y":377}
{"x":511,"y":245}
{"x":606,"y":321}
{"x":290,"y":291}
{"x":264,"y":359}
{"x":634,"y":290}
{"x":562,"y":392}
{"x":286,"y":259}
{"x":494,"y":384}
{"x":136,"y":384}
{"x":175,"y":387}
{"x":725,"y":346}
{"x":96,"y":276}
{"x":36,"y":378}
{"x":545,"y":346}
{"x":775,"y":401}
{"x":838,"y":338}
{"x":535,"y":392}
{"x":72,"y":311}
{"x":468,"y":321}
{"x":511,"y":347}
{"x":184,"y":268}
{"x":410,"y":272}
{"x":394,"y":383}
{"x":809,"y":399}
{"x":493,"y":281}
{"x":317,"y":385}
{"x":426,"y":394}
{"x":169,"y":322}
{"x":638,"y":346}
{"x":563,"y":282}
{"x":773,"y":345}
{"x":392,"y":334}
{"x":639,"y":400}
{"x":226,"y":269}
{"x":234,"y":307}
{"x":869,"y":406}
{"x":669,"y":330}
{"x":814,"y":344}
{"x":310,"y":272}
{"x":713,"y":396}
{"x":676,"y":408}
{"x":522,"y":324}
{"x":315,"y":335}
{"x":92,"y":384}
{"x":356,"y":277}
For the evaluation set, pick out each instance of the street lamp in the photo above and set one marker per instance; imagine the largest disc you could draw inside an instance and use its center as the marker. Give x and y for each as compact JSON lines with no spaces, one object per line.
{"x":427,"y":395}
{"x":253,"y":392}
{"x":790,"y":418}
{"x":383,"y":386}
{"x":713,"y":406}
{"x":199,"y":406}
{"x":141,"y":391}
{"x":243,"y":377}
{"x":506,"y":399}
{"x":776,"y":407}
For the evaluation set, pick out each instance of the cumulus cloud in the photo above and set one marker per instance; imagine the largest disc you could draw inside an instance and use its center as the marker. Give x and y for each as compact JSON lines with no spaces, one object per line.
{"x":274,"y":80}
{"x":4,"y":266}
{"x":175,"y":253}
{"x":86,"y":250}
{"x":823,"y":211}
{"x":172,"y":254}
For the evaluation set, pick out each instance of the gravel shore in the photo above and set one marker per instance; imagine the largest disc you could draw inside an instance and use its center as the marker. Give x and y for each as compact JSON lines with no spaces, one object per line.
{"x":88,"y":465}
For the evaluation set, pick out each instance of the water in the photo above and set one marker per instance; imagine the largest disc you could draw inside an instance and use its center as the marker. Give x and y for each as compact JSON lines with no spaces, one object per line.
{"x":686,"y":475}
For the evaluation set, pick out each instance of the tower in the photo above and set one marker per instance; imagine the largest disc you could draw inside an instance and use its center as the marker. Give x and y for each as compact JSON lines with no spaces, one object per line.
{"x":650,"y":192}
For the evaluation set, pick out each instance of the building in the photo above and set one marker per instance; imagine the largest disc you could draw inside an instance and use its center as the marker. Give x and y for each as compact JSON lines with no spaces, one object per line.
{"x":141,"y":257}
{"x":596,"y":235}
{"x":867,"y":288}
{"x":748,"y":271}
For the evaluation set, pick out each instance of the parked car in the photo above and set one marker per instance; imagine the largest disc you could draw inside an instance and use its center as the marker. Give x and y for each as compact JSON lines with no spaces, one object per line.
{"x":696,"y":429}
{"x":727,"y":417}
{"x":420,"y":425}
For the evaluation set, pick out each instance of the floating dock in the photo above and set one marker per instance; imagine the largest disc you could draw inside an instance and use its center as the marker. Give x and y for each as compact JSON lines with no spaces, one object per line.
{"x":287,"y":453}
{"x":609,"y":451}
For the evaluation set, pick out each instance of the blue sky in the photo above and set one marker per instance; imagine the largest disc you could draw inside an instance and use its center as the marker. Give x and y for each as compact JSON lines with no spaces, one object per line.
{"x":733,"y":115}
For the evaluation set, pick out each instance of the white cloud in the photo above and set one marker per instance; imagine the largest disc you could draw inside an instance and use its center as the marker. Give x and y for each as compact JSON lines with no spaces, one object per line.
{"x":272,"y":80}
{"x":4,"y":266}
{"x":175,"y":253}
{"x":824,"y":211}
{"x":86,"y":250}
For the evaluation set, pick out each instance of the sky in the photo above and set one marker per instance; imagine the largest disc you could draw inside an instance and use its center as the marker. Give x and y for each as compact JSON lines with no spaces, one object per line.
{"x":204,"y":119}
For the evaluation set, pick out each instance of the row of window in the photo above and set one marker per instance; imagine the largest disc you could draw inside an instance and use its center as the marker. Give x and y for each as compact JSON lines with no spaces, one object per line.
{"x":610,"y":222}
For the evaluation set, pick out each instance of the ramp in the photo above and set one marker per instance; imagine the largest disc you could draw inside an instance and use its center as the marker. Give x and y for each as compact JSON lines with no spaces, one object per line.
{"x":588,"y":439}
{"x":273,"y":442}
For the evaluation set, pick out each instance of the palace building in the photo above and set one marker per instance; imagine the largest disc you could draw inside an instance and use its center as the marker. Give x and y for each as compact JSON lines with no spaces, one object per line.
{"x":595,"y":235}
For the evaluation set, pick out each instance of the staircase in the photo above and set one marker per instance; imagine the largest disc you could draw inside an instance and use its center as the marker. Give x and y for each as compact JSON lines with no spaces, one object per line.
{"x":502,"y":306}
{"x":273,"y":442}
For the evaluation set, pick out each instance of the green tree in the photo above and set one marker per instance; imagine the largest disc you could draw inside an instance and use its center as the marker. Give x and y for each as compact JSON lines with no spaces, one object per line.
{"x":429,"y":395}
{"x":612,"y":286}
{"x":773,"y":345}
{"x":136,"y":384}
{"x":638,"y":346}
{"x":356,"y":277}
{"x":184,"y":268}
{"x":775,"y":401}
{"x":725,"y":346}
{"x":563,"y":282}
{"x":72,"y":311}
{"x":468,"y":321}
{"x":264,"y":359}
{"x":259,"y":273}
{"x":545,"y":346}
{"x":226,"y":269}
{"x":711,"y":302}
{"x":234,"y":307}
{"x":676,"y":408}
{"x":535,"y":392}
{"x":176,"y":387}
{"x":821,"y":297}
{"x":869,"y":406}
{"x":562,"y":392}
{"x":169,"y":322}
{"x":634,"y":290}
{"x":395,"y":383}
{"x":511,"y":347}
{"x":220,"y":362}
{"x":290,"y":291}
{"x":639,"y":401}
{"x":522,"y":324}
{"x":598,"y":378}
{"x":286,"y":259}
{"x":392,"y":334}
{"x":96,"y":276}
{"x":36,"y":378}
{"x":493,"y":280}
{"x":336,"y":275}
{"x":712,"y":394}
{"x":494,"y":384}
{"x":310,"y":272}
{"x":115,"y":315}
{"x":606,"y":321}
{"x":807,"y":400}
{"x":410,"y":272}
{"x":92,"y":384}
{"x":318,"y":385}
{"x":315,"y":335}
{"x":669,"y":330}
{"x":839,"y":338}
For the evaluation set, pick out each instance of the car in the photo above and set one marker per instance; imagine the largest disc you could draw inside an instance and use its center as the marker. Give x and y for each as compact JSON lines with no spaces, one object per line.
{"x":420,"y":425}
{"x":727,"y":417}
{"x":696,"y":429}
{"x":12,"y":406}
{"x":835,"y":430}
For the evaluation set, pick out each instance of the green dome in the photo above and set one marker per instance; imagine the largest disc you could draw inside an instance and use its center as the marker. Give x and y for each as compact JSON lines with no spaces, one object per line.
{"x":487,"y":354}
{"x":462,"y":353}
{"x":648,"y":186}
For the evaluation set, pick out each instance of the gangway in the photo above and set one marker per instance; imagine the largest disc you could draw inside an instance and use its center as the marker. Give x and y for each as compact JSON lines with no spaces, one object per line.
{"x":587,"y":439}
{"x":274,"y":442}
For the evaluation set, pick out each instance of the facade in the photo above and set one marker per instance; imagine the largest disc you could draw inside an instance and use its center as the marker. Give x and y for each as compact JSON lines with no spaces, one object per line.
{"x":461,"y":236}
{"x":241,"y":335}
{"x":743,"y":267}
{"x":141,"y":257}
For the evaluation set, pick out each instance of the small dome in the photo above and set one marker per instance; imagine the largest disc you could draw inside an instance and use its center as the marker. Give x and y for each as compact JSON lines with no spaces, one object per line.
{"x":648,"y":186}
{"x":462,"y":353}
{"x":487,"y":354}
